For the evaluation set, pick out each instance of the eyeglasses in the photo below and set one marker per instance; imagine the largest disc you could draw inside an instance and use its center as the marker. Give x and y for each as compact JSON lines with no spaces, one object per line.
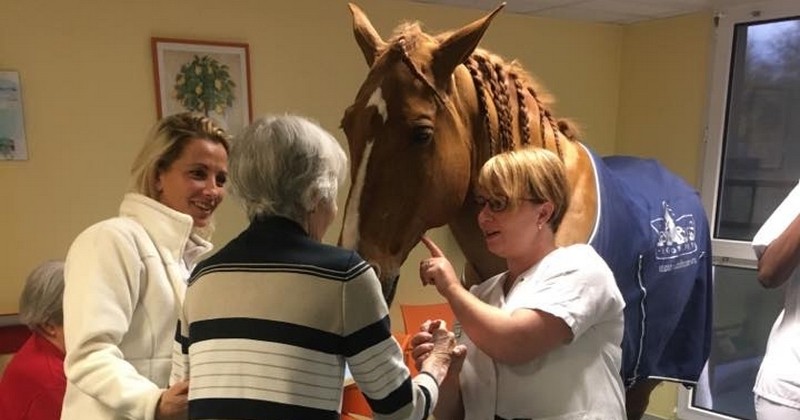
{"x":497,"y":204}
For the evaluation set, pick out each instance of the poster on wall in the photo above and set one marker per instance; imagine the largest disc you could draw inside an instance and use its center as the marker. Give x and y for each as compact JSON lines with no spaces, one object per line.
{"x":12,"y":124}
{"x":207,"y":77}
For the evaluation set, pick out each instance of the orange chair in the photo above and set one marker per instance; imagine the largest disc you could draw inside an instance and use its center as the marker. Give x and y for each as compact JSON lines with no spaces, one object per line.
{"x":415,"y":315}
{"x":354,"y":402}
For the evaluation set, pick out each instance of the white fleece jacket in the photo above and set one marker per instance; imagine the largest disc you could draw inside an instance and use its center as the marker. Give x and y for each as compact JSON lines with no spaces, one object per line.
{"x":125,"y":280}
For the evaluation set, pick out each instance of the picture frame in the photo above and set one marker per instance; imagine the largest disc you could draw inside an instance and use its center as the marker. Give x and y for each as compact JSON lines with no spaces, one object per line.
{"x":187,"y":70}
{"x":13,"y":142}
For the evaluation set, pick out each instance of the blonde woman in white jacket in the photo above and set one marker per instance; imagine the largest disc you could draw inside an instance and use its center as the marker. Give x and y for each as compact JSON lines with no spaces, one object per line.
{"x":125,"y":277}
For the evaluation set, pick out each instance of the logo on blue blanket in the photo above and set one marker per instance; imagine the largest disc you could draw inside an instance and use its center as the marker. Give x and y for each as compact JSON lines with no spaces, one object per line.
{"x":676,"y":235}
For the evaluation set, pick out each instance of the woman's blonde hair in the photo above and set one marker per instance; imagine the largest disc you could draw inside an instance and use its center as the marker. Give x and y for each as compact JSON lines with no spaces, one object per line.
{"x":533,"y":174}
{"x":165,"y":144}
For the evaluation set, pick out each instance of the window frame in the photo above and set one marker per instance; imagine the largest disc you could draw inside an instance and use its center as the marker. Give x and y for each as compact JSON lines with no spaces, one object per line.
{"x":725,"y":252}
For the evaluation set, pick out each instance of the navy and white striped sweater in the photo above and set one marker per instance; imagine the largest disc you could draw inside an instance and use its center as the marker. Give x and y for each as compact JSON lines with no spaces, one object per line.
{"x":269,"y":322}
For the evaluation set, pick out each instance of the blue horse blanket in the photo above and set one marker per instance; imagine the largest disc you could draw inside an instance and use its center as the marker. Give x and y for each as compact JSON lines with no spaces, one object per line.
{"x":653,"y":232}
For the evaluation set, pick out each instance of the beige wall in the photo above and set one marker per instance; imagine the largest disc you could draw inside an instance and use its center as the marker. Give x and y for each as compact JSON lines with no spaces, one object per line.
{"x":664,"y":87}
{"x":88,"y":97}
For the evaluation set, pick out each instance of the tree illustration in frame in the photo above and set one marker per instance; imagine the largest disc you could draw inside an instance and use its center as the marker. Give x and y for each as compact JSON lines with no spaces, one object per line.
{"x":205,"y":84}
{"x":210,"y":78}
{"x":12,"y":124}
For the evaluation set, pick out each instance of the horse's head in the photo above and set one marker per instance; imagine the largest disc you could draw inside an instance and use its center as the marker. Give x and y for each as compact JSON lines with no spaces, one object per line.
{"x":409,"y":133}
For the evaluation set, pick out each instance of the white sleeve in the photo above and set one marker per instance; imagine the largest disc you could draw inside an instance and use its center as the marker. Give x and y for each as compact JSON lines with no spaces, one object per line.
{"x":102,"y":278}
{"x":777,"y":223}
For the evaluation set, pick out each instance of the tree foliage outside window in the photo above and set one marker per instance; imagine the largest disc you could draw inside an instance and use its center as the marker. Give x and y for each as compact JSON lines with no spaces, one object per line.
{"x":204,"y":85}
{"x":7,"y":147}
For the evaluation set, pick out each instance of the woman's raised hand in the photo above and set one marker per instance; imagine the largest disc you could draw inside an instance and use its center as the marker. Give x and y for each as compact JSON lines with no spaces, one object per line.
{"x":437,"y":269}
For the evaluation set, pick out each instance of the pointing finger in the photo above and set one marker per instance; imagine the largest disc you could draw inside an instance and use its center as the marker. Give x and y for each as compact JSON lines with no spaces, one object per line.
{"x":432,"y":247}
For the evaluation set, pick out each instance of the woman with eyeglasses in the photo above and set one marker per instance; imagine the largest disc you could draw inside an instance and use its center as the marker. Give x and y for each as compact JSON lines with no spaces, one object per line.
{"x":543,"y":338}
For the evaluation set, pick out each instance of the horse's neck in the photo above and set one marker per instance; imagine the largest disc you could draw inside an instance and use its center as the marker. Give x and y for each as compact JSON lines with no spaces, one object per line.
{"x":535,"y":128}
{"x":579,"y":220}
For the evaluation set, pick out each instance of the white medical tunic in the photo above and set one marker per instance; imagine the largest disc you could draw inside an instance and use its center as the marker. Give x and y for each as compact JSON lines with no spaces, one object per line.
{"x":579,"y":380}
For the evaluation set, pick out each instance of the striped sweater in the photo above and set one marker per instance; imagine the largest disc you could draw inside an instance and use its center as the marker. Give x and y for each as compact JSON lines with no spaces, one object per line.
{"x":270,"y":321}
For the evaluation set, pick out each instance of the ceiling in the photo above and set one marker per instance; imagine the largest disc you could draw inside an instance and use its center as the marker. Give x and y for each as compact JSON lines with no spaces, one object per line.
{"x":607,"y":11}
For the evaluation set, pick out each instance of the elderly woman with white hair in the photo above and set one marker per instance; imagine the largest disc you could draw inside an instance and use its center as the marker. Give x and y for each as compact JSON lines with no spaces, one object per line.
{"x":33,"y":384}
{"x":270,"y":320}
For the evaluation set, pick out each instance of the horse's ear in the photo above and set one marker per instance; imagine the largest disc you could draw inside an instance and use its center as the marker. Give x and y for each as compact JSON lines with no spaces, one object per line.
{"x":459,"y":46}
{"x":366,"y":36}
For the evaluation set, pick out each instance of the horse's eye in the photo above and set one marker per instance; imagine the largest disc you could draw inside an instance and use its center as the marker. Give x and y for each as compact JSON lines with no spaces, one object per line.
{"x":422,"y":134}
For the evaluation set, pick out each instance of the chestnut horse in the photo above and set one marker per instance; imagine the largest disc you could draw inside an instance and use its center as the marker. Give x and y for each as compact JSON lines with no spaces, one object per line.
{"x":433,"y":109}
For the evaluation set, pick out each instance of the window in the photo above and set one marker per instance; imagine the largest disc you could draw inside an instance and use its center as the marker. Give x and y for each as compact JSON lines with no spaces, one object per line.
{"x":750,"y":166}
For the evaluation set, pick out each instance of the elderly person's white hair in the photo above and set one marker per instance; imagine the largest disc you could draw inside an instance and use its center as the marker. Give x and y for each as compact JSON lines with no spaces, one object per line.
{"x":285,"y":166}
{"x":41,"y":300}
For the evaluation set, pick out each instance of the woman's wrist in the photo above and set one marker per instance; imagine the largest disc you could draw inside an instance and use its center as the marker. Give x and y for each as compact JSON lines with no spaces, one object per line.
{"x":432,"y":376}
{"x":436,"y":368}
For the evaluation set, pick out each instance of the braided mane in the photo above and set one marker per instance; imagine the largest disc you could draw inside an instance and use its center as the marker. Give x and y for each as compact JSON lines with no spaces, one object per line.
{"x":491,"y":76}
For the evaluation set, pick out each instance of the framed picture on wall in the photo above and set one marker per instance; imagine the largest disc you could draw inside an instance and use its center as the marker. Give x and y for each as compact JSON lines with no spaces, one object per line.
{"x":12,"y":124}
{"x":211,"y":78}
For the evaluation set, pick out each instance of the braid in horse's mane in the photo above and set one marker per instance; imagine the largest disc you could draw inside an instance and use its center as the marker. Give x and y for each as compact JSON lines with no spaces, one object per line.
{"x":498,"y":89}
{"x":480,"y":88}
{"x":522,"y":111}
{"x":489,"y":74}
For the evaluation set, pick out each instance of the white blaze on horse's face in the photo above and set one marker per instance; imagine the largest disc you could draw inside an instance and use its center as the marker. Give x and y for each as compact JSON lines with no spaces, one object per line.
{"x":376,"y":100}
{"x":350,"y":234}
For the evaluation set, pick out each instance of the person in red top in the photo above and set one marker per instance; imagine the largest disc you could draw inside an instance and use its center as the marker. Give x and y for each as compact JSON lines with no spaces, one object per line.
{"x":33,"y":384}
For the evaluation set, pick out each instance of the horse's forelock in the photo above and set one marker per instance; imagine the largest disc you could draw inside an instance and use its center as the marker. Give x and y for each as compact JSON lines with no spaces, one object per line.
{"x":413,"y":41}
{"x":411,"y":32}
